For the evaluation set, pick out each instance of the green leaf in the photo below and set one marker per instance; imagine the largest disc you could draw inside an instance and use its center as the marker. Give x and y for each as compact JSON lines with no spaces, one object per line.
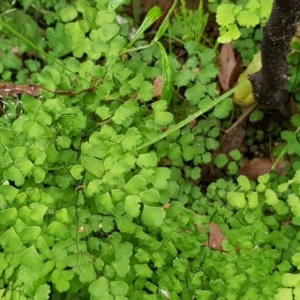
{"x":42,"y":292}
{"x":121,"y":265}
{"x":31,"y":105}
{"x":281,"y":188}
{"x":125,"y":224}
{"x":208,"y":57}
{"x":196,"y":173}
{"x":265,"y":8}
{"x":186,"y":139}
{"x":68,"y":13}
{"x":153,"y":216}
{"x":147,"y":160}
{"x":162,"y":118}
{"x":38,"y":211}
{"x":162,"y":28}
{"x":236,"y":199}
{"x":153,"y":14}
{"x":296,"y":259}
{"x":108,"y":31}
{"x":60,"y":44}
{"x":35,"y":131}
{"x":93,"y":165}
{"x":15,"y":175}
{"x":221,"y":160}
{"x":87,"y":11}
{"x":103,"y":112}
{"x":165,"y":24}
{"x":8,"y":192}
{"x":142,"y":256}
{"x":143,"y":271}
{"x":132,"y":139}
{"x":195,"y":93}
{"x":114,"y":4}
{"x":85,"y":270}
{"x":160,"y":105}
{"x":81,"y":47}
{"x":61,"y":279}
{"x":24,"y":165}
{"x":135,"y":185}
{"x":290,"y":280}
{"x":252,"y":198}
{"x":225,"y":14}
{"x":10,"y":241}
{"x":207,"y":74}
{"x":93,"y":187}
{"x":284,"y":294}
{"x":248,"y":19}
{"x":256,"y":116}
{"x":167,"y":75}
{"x":264,"y":178}
{"x":244,"y":183}
{"x":8,"y":216}
{"x":184,"y":77}
{"x":76,"y":171}
{"x":104,"y":17}
{"x":99,"y":287}
{"x":223,"y":109}
{"x":271,"y":197}
{"x":146,"y":91}
{"x":289,"y":136}
{"x":37,"y":155}
{"x":62,"y":216}
{"x":121,"y":115}
{"x":235,"y":154}
{"x":17,"y":152}
{"x":162,"y":175}
{"x":30,"y":234}
{"x":104,"y":203}
{"x":123,"y":249}
{"x":136,"y":82}
{"x":132,"y":205}
{"x":253,"y":5}
{"x":229,"y":33}
{"x":63,"y":142}
{"x":150,"y":196}
{"x":119,"y":288}
{"x":31,"y":259}
{"x":62,"y":285}
{"x":57,"y":229}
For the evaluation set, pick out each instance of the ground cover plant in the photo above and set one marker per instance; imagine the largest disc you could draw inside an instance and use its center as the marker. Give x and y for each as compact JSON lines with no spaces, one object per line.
{"x":127,"y":169}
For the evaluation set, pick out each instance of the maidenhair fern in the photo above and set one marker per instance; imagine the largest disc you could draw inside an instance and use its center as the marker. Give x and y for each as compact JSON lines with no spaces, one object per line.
{"x":231,"y":17}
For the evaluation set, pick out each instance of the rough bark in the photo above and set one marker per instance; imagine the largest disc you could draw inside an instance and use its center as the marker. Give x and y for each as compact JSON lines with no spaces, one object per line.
{"x":270,"y":83}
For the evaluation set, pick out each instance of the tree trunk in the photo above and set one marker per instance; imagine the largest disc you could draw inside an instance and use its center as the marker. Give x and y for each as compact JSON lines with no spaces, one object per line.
{"x":270,"y":83}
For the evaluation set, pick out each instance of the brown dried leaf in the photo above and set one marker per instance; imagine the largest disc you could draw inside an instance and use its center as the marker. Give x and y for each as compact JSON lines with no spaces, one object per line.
{"x":259,"y":166}
{"x":255,"y":167}
{"x":158,"y":86}
{"x":193,"y":123}
{"x":166,"y":205}
{"x":230,"y":68}
{"x":233,"y":139}
{"x":216,"y":237}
